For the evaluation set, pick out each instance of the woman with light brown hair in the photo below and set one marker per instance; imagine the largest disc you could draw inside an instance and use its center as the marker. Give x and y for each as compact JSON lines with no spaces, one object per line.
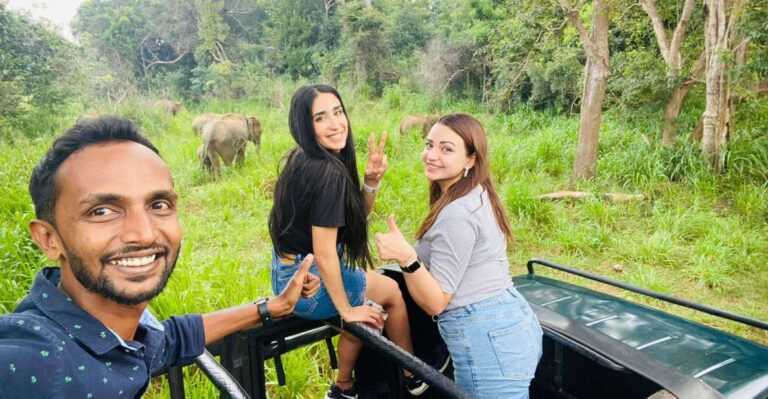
{"x":459,"y":272}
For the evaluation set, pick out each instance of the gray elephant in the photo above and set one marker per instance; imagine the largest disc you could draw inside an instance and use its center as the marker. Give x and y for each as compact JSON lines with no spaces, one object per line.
{"x":91,"y":116}
{"x":422,"y":122}
{"x":226,"y":137}
{"x":168,"y":106}
{"x":201,"y":120}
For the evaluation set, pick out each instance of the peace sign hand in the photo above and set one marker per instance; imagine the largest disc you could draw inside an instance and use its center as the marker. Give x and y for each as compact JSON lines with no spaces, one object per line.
{"x":377,"y":160}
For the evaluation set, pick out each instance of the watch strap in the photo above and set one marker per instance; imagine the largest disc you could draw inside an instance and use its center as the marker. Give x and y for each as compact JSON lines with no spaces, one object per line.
{"x":412,"y":267}
{"x":266,"y":317}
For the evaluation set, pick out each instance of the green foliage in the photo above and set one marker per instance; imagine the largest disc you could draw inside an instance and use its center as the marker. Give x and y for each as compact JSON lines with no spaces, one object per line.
{"x":640,"y":80}
{"x":520,"y":200}
{"x":517,"y":65}
{"x":366,"y":47}
{"x":556,"y":80}
{"x":747,"y":158}
{"x":701,"y":238}
{"x":18,"y":254}
{"x":37,"y":77}
{"x":409,"y":29}
{"x":212,"y":29}
{"x":293,"y":36}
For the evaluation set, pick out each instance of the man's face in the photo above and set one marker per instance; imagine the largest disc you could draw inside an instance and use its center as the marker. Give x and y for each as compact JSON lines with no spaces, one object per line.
{"x":116,"y":219}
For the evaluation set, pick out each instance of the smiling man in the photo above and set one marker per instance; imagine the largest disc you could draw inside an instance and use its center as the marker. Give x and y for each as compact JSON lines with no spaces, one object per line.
{"x":107,"y":213}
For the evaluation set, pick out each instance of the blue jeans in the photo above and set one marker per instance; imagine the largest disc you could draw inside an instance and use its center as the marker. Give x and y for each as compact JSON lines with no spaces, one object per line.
{"x":495,"y":345}
{"x":319,"y":306}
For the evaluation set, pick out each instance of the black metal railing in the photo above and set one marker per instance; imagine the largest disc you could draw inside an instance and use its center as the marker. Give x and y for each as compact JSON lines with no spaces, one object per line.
{"x":241,"y":374}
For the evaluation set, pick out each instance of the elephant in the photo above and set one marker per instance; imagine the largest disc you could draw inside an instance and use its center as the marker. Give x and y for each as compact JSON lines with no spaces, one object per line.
{"x":423,"y":122}
{"x":200,"y":121}
{"x":204,"y":161}
{"x":91,"y":116}
{"x":168,"y":106}
{"x":226,"y":138}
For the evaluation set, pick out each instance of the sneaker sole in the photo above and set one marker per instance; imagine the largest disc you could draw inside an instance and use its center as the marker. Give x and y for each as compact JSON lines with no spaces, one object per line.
{"x":445,"y":365}
{"x":416,"y":392}
{"x":344,"y":396}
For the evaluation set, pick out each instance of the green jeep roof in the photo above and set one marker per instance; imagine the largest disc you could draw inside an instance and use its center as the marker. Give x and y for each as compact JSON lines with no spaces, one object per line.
{"x":733,"y":366}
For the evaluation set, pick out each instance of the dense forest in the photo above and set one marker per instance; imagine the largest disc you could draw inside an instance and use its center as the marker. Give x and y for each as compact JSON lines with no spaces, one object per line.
{"x":689,"y":71}
{"x":648,"y":119}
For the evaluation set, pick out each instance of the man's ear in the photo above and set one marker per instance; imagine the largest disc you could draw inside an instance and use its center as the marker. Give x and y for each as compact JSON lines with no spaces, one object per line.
{"x":47,"y":239}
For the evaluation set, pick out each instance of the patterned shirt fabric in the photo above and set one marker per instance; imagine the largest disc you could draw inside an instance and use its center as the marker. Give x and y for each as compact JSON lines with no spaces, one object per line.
{"x":51,"y":348}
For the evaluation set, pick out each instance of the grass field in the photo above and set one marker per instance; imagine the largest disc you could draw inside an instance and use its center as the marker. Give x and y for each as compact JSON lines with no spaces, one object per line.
{"x":695,"y":236}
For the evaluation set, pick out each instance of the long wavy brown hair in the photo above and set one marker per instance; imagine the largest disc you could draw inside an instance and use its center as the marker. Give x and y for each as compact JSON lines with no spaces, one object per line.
{"x":472,"y":133}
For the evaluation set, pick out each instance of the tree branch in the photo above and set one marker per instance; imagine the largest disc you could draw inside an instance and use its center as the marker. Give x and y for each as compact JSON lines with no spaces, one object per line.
{"x":677,"y":36}
{"x":649,"y":6}
{"x":586,"y":41}
{"x":698,"y":69}
{"x":157,"y":62}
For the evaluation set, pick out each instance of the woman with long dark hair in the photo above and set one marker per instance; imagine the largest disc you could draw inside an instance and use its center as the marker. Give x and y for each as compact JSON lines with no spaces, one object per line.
{"x":320,"y":208}
{"x":459,"y":272}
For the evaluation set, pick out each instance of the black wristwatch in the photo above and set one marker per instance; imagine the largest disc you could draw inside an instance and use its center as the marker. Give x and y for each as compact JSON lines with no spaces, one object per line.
{"x":415,"y":265}
{"x":266,"y":318}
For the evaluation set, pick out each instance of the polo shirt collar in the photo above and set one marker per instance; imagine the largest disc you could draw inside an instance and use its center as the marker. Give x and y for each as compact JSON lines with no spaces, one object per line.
{"x":60,"y":308}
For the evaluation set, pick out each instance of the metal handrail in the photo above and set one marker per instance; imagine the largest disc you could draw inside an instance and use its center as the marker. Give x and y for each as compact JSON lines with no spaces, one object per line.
{"x":653,"y":294}
{"x":436,"y":380}
{"x":220,"y":377}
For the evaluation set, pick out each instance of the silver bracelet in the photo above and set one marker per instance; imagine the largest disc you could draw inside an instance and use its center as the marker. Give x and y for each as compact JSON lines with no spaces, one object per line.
{"x":369,"y":189}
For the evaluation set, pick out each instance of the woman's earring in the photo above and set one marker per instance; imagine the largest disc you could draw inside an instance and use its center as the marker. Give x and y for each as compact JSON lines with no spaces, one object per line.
{"x":466,"y":172}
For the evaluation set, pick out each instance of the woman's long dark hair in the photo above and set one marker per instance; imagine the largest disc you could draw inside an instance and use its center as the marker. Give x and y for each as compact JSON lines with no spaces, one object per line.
{"x":310,"y":168}
{"x":471,"y":132}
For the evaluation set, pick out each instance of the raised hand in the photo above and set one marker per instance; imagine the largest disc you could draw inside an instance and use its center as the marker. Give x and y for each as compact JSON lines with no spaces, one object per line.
{"x":310,"y":286}
{"x":302,"y":282}
{"x":392,"y":245}
{"x":377,"y":160}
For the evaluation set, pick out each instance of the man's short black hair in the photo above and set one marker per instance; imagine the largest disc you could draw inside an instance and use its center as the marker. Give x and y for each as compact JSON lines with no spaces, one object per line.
{"x":42,"y":184}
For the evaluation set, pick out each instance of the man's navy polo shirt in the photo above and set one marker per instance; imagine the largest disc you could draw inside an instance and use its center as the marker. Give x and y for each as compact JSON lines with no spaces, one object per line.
{"x":51,"y":348}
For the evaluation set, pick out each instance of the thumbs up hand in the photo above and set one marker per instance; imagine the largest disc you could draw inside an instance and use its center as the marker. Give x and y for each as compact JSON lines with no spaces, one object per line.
{"x":393,"y":246}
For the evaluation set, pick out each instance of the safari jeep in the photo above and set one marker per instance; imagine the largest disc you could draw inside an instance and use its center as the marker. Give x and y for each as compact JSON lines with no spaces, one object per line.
{"x":595,"y":346}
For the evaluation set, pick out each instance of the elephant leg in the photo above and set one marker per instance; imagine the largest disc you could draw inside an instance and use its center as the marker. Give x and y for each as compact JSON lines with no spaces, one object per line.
{"x":228,"y":158}
{"x":205,"y":161}
{"x":213,"y":158}
{"x":207,"y":164}
{"x":240,"y":155}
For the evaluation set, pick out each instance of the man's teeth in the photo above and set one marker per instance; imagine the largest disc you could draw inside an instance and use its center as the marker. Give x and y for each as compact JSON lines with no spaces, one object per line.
{"x":143,"y":261}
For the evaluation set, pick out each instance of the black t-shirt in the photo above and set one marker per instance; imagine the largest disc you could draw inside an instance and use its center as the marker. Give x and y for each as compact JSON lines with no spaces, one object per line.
{"x":313,"y":200}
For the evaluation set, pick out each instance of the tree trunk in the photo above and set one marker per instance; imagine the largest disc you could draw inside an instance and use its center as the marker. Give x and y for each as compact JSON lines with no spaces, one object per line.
{"x":696,"y":134}
{"x":670,"y":52}
{"x":595,"y":82}
{"x":672,"y":111}
{"x":596,"y":74}
{"x":717,"y":116}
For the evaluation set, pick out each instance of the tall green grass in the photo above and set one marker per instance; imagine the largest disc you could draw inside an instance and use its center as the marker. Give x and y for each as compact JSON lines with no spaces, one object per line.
{"x":694,"y":235}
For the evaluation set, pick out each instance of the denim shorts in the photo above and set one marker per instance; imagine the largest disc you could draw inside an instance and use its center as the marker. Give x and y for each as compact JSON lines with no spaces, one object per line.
{"x":495,"y":345}
{"x":319,"y":306}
